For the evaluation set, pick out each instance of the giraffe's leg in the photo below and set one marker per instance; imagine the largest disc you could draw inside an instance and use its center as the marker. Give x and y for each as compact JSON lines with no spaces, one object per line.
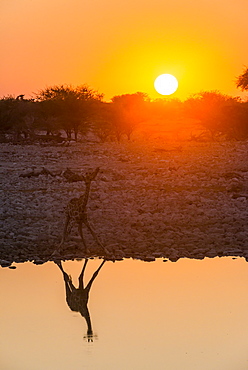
{"x":81,"y":235}
{"x":81,"y":276}
{"x":65,"y":232}
{"x":94,"y":276}
{"x":67,"y":279}
{"x":87,"y":224}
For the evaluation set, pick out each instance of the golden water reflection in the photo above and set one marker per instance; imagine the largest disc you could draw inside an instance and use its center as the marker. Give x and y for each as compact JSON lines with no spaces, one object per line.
{"x":186,"y":315}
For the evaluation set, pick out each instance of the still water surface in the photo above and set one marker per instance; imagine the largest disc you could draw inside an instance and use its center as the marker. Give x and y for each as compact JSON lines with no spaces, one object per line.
{"x":192,"y":314}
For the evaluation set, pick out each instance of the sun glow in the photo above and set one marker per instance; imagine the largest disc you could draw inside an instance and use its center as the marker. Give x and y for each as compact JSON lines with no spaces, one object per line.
{"x":166,"y":84}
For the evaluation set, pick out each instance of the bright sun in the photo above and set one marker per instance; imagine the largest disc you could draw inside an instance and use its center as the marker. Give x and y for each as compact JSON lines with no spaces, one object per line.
{"x":166,"y":84}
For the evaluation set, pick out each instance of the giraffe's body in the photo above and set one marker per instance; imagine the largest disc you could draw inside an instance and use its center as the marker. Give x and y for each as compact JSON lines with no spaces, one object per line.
{"x":76,"y":209}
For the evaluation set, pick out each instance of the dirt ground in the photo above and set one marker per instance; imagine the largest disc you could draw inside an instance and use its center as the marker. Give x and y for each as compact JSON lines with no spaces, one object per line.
{"x":151,"y":199}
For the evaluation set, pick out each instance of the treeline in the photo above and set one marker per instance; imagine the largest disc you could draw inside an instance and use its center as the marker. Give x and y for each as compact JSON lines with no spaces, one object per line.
{"x":76,"y":111}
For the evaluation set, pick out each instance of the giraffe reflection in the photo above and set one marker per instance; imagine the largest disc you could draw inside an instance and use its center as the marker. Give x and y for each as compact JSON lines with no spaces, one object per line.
{"x":77,"y":298}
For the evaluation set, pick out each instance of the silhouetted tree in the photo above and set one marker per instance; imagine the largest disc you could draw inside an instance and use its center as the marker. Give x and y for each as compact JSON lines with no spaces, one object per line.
{"x":208,"y":108}
{"x":103,"y":121}
{"x":235,"y":120}
{"x":242,"y":80}
{"x":128,"y":111}
{"x":17,"y":116}
{"x":46,"y":118}
{"x":72,"y":106}
{"x":7,"y":105}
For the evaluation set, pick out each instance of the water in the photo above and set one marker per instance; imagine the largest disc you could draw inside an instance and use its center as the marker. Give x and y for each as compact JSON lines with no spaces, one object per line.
{"x":191,"y":314}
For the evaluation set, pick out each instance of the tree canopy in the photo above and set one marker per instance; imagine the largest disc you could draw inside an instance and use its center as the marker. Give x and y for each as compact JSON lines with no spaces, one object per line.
{"x":242,"y":80}
{"x":71,"y":106}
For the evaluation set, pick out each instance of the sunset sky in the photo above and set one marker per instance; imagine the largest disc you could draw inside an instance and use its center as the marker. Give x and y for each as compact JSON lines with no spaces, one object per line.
{"x":119,"y":47}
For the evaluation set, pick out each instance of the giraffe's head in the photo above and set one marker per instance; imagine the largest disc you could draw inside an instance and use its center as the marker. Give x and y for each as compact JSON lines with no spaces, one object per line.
{"x":90,"y":176}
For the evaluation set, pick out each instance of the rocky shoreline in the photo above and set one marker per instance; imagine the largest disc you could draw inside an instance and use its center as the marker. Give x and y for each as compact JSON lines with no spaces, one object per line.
{"x":150,"y":200}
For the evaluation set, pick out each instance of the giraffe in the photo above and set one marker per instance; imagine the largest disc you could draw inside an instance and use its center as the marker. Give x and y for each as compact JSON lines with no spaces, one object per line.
{"x":76,"y":213}
{"x":77,"y":298}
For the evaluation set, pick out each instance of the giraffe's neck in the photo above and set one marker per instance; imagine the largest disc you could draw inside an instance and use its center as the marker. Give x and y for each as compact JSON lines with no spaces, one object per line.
{"x":85,"y":197}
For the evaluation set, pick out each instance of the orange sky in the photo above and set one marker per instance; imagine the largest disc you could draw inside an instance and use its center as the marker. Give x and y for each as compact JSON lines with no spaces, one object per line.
{"x":119,"y":47}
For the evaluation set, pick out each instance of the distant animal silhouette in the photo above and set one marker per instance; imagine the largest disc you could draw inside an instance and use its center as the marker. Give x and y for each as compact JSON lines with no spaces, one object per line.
{"x":77,"y":298}
{"x":20,"y":97}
